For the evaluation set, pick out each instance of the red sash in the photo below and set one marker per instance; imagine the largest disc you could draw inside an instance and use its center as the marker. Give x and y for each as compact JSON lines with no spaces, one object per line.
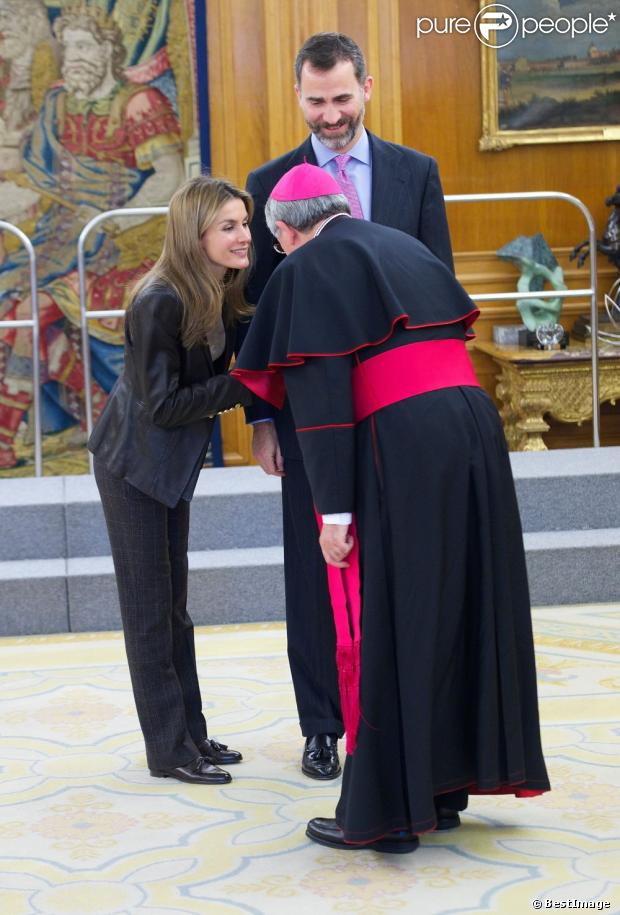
{"x":409,"y":370}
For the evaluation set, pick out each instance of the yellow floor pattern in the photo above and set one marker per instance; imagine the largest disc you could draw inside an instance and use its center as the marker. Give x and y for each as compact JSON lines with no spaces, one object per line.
{"x":84,"y":830}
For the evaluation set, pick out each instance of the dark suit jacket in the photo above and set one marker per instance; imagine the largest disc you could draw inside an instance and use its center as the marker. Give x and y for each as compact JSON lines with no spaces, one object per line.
{"x":158,"y":418}
{"x":406,"y":195}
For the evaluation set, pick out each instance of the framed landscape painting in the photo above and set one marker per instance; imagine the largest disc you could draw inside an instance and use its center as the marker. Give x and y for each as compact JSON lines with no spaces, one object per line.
{"x":550,"y":86}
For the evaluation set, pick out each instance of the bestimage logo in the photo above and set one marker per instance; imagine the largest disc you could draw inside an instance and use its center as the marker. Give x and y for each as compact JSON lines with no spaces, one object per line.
{"x":497,"y":25}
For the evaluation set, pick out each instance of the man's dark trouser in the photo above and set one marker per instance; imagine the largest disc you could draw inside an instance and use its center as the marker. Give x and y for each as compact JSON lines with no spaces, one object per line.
{"x":149,"y":548}
{"x":309,"y":620}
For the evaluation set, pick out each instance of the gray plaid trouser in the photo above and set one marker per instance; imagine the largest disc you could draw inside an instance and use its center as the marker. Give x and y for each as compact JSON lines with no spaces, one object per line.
{"x":149,"y":548}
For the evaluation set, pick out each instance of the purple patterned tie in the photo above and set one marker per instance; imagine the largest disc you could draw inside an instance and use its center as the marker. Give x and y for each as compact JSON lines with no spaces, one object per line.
{"x":348,"y":188}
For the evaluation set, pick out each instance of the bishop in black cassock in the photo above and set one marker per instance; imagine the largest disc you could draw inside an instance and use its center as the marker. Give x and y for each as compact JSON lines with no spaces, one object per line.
{"x":363,"y":330}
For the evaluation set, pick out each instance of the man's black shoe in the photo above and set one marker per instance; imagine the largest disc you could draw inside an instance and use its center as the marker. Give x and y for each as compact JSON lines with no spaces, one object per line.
{"x":327,"y":832}
{"x":447,"y":818}
{"x":218,"y":754}
{"x":320,"y":758}
{"x":198,"y":772}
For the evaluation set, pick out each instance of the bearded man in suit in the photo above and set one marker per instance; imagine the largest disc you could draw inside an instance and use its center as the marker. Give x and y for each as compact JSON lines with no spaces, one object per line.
{"x":387,"y":184}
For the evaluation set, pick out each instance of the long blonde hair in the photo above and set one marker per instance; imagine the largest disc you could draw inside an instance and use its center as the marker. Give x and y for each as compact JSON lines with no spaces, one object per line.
{"x":184,"y":266}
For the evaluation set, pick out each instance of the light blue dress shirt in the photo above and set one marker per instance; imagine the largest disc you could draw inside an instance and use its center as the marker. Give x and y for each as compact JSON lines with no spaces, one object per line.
{"x":359,"y":169}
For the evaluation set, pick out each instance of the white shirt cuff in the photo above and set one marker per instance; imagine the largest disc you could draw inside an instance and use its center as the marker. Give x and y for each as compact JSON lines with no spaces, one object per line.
{"x":340,"y":518}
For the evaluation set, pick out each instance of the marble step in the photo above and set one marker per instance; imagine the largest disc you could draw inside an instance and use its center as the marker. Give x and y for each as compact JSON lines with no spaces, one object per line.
{"x":573,"y":567}
{"x":237,"y":508}
{"x":568,"y":489}
{"x":246,"y":585}
{"x":56,"y":573}
{"x":57,"y":517}
{"x":79,"y":594}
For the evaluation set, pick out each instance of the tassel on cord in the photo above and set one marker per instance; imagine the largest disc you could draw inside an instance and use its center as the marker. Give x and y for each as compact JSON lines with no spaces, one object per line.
{"x":348,"y":661}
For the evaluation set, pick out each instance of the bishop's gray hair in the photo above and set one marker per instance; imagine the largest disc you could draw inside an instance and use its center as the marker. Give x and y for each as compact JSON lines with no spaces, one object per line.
{"x":303,"y":214}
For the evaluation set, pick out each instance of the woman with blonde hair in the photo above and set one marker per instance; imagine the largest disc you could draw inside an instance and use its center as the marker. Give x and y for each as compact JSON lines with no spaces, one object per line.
{"x":150,"y":443}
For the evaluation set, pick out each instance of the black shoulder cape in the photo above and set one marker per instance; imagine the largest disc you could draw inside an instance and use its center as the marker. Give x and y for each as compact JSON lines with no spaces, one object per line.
{"x":345,"y":290}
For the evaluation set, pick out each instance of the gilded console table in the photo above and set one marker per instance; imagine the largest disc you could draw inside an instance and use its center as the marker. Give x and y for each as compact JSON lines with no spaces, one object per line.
{"x":532,"y":383}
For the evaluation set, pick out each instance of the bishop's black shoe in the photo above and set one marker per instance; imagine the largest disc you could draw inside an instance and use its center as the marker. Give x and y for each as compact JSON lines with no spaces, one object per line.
{"x":447,"y":818}
{"x":320,"y":758}
{"x":218,"y":754}
{"x":327,"y":832}
{"x":197,"y":772}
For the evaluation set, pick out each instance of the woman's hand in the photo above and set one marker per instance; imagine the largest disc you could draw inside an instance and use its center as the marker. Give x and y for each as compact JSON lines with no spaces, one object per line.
{"x":336,"y":543}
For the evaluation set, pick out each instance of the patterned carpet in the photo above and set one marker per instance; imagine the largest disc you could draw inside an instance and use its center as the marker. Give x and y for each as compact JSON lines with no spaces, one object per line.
{"x":84,"y":829}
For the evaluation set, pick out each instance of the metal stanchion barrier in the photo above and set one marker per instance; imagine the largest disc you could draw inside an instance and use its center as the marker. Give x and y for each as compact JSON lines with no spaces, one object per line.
{"x":33,"y":323}
{"x":590,"y":291}
{"x":85,"y":315}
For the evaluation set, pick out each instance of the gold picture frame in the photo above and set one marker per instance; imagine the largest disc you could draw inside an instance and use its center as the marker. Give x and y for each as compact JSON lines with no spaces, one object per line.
{"x":507,"y":81}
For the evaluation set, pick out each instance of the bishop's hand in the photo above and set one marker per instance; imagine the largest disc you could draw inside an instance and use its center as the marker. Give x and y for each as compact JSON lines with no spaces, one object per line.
{"x":336,"y":543}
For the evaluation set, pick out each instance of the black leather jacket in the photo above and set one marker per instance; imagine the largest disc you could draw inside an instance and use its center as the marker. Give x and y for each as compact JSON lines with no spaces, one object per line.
{"x":159,"y":415}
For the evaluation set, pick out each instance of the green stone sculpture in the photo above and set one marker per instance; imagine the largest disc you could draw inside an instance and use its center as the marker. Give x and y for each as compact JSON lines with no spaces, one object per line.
{"x":537,"y":263}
